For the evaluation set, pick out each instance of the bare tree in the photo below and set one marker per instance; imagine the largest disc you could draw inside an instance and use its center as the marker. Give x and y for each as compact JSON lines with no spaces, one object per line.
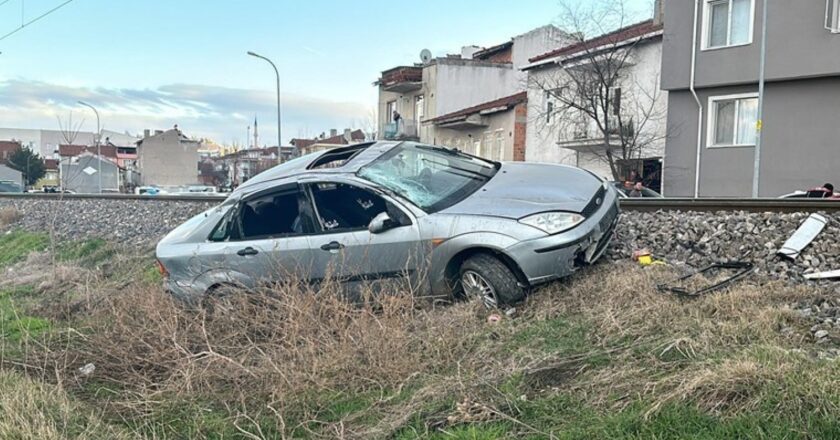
{"x":591,"y":91}
{"x":69,"y":130}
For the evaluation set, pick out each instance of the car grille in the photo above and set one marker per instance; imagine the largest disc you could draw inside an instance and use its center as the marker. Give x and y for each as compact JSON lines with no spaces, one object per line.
{"x":595,"y":203}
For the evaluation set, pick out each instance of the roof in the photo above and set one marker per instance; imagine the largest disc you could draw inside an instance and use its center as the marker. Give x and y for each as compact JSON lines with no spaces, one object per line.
{"x":51,"y":164}
{"x":181,"y":136}
{"x":505,"y":103}
{"x":619,"y":35}
{"x":486,"y":52}
{"x":70,"y":150}
{"x":339,"y":139}
{"x":11,"y":145}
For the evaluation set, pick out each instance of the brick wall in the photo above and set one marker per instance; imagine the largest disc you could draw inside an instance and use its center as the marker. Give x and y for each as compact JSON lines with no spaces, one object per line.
{"x":520,"y":122}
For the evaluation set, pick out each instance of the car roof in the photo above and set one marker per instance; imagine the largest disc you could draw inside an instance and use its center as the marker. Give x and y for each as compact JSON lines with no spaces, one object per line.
{"x":359,"y":155}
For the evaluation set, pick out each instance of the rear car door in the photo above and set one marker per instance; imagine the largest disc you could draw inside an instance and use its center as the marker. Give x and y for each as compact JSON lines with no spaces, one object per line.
{"x":346,"y":251}
{"x":269,"y":241}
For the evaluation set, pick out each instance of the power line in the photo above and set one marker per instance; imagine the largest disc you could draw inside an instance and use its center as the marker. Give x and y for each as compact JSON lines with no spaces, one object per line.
{"x":23,"y":25}
{"x":4,"y":2}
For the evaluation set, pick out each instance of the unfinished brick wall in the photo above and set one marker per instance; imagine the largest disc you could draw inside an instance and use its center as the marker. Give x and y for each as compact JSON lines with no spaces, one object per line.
{"x":520,"y":121}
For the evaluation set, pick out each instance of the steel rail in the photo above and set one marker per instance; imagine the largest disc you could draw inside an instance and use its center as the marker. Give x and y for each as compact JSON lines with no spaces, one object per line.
{"x":640,"y":204}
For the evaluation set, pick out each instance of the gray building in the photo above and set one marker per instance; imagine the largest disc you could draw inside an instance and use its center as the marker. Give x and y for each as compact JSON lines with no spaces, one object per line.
{"x":712,"y":76}
{"x":168,"y":158}
{"x":13,"y":175}
{"x":81,"y":174}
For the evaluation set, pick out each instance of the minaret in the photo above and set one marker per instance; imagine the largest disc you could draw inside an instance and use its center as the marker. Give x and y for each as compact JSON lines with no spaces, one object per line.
{"x":256,"y":134}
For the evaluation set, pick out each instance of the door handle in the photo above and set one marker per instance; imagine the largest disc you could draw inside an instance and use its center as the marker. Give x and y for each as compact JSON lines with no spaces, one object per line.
{"x":247,"y":251}
{"x":332,"y":246}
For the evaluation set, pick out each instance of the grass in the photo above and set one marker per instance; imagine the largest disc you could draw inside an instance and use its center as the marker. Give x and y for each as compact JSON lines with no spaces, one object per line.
{"x":16,"y":245}
{"x":603,"y":355}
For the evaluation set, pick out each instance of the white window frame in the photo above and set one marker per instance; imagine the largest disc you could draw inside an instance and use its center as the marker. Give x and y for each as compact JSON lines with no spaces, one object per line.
{"x":832,"y":23}
{"x":707,"y":23}
{"x":711,"y":122}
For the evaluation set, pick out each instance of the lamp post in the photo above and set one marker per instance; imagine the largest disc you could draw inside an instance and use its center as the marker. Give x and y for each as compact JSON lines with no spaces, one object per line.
{"x":96,"y":142}
{"x":277,"y":73}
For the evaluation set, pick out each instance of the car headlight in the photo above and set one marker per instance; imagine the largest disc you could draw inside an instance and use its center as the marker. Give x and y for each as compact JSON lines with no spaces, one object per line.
{"x":553,"y":222}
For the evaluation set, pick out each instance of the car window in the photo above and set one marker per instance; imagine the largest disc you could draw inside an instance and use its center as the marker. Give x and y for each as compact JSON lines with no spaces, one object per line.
{"x":274,"y":214}
{"x":342,"y":207}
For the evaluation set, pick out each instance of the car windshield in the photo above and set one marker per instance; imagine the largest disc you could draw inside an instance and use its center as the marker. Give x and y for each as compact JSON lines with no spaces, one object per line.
{"x":433,"y":178}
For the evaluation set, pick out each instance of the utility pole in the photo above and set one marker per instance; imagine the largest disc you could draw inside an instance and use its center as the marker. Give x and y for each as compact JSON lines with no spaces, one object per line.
{"x":96,"y":142}
{"x":759,"y":126}
{"x":277,"y":73}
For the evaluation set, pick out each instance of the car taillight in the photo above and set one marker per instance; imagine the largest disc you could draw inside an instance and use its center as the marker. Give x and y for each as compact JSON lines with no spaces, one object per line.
{"x":163,"y":272}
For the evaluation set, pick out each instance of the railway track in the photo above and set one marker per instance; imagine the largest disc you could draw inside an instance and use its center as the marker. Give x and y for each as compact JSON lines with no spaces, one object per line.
{"x":668,"y":204}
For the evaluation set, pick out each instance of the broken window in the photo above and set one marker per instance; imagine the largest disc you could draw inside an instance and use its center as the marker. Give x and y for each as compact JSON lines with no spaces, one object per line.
{"x":343,"y":207}
{"x":275,"y":214}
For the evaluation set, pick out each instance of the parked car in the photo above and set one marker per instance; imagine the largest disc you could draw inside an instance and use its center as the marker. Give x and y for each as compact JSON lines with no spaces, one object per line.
{"x":439,"y":220}
{"x":814,"y":193}
{"x":10,"y":186}
{"x":624,"y":191}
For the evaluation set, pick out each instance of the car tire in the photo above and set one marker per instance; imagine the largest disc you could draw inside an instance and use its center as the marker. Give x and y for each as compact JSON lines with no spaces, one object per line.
{"x":485,"y":277}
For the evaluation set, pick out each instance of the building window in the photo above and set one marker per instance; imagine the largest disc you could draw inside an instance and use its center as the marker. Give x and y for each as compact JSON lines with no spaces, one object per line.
{"x":832,"y":15}
{"x":728,"y":23}
{"x":390,"y":109}
{"x":733,"y":120}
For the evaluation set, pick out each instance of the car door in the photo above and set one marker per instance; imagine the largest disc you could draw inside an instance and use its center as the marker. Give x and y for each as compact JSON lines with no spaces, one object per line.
{"x":269,"y":241}
{"x":347,"y":252}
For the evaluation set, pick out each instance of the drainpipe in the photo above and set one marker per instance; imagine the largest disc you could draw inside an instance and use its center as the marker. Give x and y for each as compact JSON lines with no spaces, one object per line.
{"x":697,"y":99}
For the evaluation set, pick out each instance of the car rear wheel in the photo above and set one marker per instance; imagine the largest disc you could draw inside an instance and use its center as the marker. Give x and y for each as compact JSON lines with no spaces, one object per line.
{"x":486,"y":278}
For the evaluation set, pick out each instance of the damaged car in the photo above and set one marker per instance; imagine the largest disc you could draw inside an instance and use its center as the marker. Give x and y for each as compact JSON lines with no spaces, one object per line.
{"x":441,"y":221}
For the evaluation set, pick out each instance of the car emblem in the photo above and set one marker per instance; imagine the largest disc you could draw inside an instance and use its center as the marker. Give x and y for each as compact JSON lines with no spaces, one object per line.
{"x":598,"y":201}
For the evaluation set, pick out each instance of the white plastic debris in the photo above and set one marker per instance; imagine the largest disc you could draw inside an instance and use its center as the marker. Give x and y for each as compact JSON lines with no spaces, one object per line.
{"x":803,"y":236}
{"x":823,"y":275}
{"x":87,"y":370}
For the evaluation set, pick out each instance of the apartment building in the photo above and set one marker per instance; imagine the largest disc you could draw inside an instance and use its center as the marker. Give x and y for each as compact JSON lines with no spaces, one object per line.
{"x":710,"y":67}
{"x":626,"y":116}
{"x":468,"y":100}
{"x":168,"y":158}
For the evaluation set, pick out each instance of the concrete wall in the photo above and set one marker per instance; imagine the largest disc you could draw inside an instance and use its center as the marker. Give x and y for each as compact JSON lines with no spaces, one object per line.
{"x":799,"y":46}
{"x":535,"y":42}
{"x":74,"y":177}
{"x":800,"y":149}
{"x":462,"y":83}
{"x":165,"y":159}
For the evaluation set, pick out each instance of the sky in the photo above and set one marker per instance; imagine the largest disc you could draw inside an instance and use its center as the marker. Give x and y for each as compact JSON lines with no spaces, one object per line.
{"x":156,"y":63}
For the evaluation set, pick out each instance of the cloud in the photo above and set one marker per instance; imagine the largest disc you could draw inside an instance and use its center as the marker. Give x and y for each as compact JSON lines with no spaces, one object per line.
{"x":221,"y":113}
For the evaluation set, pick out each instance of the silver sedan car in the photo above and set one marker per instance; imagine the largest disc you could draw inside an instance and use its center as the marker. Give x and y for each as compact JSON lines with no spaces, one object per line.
{"x":438,"y":220}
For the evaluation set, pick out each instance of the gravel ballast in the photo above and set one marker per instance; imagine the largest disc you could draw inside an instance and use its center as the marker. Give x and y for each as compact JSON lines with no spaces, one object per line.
{"x":692,"y":238}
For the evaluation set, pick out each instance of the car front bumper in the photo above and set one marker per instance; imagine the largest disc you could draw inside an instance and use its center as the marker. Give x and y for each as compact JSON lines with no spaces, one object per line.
{"x":548,"y":258}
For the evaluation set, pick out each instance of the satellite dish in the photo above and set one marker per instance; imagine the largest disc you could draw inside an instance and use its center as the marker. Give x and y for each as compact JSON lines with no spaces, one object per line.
{"x":425,"y":55}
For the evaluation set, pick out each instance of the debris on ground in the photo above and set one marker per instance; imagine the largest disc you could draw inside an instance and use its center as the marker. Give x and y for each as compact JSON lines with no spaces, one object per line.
{"x":807,"y":232}
{"x":689,"y":286}
{"x":830,"y":275}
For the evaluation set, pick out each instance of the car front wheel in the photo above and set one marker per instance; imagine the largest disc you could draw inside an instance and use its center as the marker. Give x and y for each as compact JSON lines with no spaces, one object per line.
{"x":488,"y":279}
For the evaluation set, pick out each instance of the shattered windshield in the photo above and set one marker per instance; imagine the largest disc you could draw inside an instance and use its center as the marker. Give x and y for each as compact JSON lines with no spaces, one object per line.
{"x":433,"y":178}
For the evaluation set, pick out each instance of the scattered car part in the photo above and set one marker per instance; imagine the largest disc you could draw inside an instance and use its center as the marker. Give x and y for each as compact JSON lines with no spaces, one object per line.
{"x":803,"y":236}
{"x":830,"y":275}
{"x":743,"y":269}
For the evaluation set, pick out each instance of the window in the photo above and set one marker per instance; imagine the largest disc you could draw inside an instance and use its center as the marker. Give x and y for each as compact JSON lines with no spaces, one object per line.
{"x":390,"y":109}
{"x":728,"y":23}
{"x":343,"y":207}
{"x":500,"y":142}
{"x":276,"y":214}
{"x":832,"y":15}
{"x":432,"y":178}
{"x":734,"y":120}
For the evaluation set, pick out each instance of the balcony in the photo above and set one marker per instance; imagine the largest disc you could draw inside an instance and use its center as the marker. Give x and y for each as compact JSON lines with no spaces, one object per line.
{"x":586,"y":136}
{"x":401,"y":79}
{"x":404,"y":131}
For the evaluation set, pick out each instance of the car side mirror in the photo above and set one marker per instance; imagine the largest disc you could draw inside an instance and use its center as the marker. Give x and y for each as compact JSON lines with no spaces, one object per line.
{"x":381,"y":223}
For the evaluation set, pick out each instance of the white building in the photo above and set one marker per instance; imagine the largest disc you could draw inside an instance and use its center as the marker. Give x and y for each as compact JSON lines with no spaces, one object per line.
{"x":46,"y":142}
{"x":558,"y":135}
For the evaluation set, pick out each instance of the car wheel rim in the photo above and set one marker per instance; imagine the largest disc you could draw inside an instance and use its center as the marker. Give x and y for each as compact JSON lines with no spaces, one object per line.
{"x":475,"y":286}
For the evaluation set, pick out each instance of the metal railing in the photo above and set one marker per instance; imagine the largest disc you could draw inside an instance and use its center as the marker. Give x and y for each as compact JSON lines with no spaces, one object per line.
{"x":400,"y":130}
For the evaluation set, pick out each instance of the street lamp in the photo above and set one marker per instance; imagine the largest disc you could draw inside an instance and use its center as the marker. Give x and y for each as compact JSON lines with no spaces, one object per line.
{"x":276,"y":72}
{"x":96,"y":142}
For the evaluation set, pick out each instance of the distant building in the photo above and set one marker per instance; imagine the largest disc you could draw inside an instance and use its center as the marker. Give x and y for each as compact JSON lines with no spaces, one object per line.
{"x":51,"y":175}
{"x":81,"y":174}
{"x":168,"y":158}
{"x":238,"y":167}
{"x":7,"y":148}
{"x":324,"y":142}
{"x":46,"y":142}
{"x":10,"y":174}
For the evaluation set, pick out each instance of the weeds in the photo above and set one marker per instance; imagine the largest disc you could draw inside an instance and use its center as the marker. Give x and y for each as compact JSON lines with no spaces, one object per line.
{"x":9,"y":216}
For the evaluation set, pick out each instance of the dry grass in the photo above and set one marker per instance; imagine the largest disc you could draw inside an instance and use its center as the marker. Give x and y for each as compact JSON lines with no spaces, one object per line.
{"x":294,"y":362}
{"x":9,"y":216}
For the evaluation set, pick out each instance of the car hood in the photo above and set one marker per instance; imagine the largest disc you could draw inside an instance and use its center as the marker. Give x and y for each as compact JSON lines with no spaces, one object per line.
{"x":521,"y":189}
